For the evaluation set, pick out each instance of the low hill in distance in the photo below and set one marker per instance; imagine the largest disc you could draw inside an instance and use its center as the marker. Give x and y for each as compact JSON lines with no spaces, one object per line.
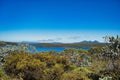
{"x":58,"y":44}
{"x":75,"y":44}
{"x":88,"y":42}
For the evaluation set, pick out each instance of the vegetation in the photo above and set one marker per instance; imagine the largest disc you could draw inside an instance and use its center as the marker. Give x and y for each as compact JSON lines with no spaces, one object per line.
{"x":70,"y":45}
{"x":97,"y":63}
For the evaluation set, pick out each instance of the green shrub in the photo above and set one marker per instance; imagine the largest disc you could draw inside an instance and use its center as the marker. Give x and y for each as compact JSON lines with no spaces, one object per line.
{"x":3,"y":76}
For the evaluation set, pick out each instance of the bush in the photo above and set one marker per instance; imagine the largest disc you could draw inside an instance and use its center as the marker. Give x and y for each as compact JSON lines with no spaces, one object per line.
{"x":3,"y":76}
{"x":36,"y":66}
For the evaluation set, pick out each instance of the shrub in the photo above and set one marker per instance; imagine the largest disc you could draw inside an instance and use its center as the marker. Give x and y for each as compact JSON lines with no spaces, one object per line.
{"x":8,"y":49}
{"x":3,"y":76}
{"x":36,"y":66}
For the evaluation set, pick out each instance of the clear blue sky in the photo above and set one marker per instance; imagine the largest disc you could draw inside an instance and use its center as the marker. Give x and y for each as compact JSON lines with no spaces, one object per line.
{"x":58,"y":20}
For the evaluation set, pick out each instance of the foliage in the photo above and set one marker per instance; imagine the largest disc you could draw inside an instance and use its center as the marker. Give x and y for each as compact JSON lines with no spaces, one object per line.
{"x":106,"y":63}
{"x":8,"y":49}
{"x":78,"y":57}
{"x":112,"y":50}
{"x":98,"y":63}
{"x":74,"y":75}
{"x":43,"y":66}
{"x":3,"y":76}
{"x":70,"y":45}
{"x":95,"y":50}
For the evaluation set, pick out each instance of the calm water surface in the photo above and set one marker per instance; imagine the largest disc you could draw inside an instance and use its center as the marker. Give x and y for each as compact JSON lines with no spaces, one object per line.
{"x":57,"y":49}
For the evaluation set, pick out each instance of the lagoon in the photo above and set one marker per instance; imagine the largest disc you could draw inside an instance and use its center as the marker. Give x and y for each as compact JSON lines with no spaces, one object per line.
{"x":57,"y":49}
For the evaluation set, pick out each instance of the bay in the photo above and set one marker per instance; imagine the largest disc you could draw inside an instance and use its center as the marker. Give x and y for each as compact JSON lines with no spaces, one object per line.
{"x":57,"y":49}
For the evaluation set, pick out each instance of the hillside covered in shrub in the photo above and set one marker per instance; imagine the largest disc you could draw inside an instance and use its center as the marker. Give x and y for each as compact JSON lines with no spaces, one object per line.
{"x":98,"y":63}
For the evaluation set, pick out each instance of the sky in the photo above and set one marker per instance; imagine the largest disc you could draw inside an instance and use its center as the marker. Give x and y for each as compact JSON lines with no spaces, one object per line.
{"x":59,"y":20}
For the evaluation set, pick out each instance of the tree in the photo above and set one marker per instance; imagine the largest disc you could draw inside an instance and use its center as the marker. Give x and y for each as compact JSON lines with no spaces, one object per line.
{"x":112,"y":48}
{"x":112,"y":52}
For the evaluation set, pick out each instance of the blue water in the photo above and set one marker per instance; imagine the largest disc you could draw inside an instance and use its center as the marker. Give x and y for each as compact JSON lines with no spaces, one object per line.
{"x":46,"y":49}
{"x":57,"y":49}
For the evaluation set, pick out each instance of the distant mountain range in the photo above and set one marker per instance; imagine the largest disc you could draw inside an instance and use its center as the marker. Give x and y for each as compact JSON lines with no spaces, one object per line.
{"x":85,"y":42}
{"x":59,"y":44}
{"x":41,"y":42}
{"x":82,"y":42}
